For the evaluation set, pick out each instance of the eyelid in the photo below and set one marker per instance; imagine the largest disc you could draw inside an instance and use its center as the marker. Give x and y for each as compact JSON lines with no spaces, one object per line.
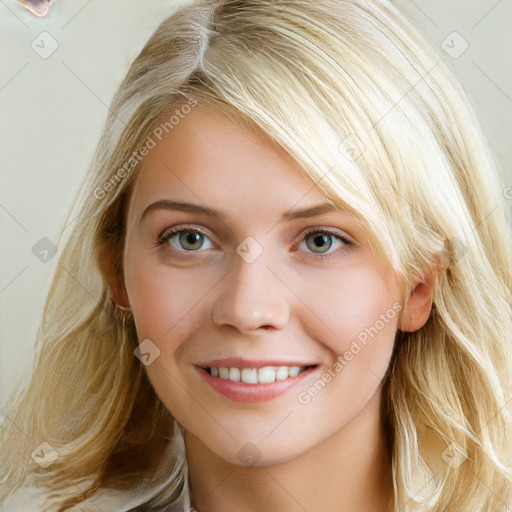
{"x":343,"y":235}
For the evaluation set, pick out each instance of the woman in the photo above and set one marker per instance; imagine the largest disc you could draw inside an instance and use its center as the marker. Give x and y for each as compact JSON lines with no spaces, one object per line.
{"x":251,"y":370}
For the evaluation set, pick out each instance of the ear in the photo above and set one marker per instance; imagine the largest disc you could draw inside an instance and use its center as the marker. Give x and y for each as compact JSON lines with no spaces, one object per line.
{"x":110,"y":265}
{"x":419,"y":303}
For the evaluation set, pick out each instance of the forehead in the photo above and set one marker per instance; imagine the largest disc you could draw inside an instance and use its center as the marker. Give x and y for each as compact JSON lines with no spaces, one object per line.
{"x":210,"y":158}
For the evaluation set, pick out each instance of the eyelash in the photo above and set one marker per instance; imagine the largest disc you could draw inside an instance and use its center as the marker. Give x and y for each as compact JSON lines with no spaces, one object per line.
{"x":346,"y":241}
{"x":166,"y":235}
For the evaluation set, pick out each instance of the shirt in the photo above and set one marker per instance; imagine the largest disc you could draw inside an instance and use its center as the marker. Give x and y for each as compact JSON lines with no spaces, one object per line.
{"x":170,"y":495}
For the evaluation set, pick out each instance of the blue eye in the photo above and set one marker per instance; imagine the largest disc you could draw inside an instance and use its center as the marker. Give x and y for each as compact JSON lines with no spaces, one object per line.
{"x":322,"y":240}
{"x":184,"y":239}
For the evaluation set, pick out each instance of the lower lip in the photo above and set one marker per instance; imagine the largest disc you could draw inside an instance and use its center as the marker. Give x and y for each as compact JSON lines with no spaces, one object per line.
{"x":243,"y":392}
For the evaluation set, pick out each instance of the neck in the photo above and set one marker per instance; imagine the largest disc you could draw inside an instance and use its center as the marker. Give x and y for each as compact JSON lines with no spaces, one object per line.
{"x":351,"y":470}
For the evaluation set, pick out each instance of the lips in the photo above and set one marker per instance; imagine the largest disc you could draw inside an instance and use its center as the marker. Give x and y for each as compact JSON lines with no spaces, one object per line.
{"x":256,"y":391}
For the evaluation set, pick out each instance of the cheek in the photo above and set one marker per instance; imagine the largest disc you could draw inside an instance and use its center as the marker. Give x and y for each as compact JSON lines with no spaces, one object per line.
{"x":168,"y":310}
{"x":359,"y":307}
{"x":357,"y":321}
{"x":165,"y":301}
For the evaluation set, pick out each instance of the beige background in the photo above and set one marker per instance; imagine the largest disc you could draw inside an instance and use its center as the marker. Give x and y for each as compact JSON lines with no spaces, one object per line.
{"x":53,"y":108}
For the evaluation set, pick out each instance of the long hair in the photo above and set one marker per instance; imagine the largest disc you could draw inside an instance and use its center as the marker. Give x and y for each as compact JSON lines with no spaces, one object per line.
{"x":377,"y":121}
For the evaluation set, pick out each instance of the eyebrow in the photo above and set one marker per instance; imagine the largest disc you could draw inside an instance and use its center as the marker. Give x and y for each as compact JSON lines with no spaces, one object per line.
{"x":166,"y":204}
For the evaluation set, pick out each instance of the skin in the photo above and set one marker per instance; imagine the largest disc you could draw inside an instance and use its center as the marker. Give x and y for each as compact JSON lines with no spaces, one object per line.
{"x":200,"y":300}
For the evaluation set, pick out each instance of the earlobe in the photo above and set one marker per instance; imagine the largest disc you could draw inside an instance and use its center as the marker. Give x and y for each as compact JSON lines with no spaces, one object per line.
{"x":120,"y":297}
{"x":418,"y":304}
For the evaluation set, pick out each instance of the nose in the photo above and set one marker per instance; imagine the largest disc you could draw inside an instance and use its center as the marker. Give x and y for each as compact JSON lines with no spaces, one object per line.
{"x":252,"y":298}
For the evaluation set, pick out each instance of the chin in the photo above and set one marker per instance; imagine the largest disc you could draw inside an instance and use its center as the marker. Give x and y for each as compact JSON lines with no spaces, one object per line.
{"x":258,"y":453}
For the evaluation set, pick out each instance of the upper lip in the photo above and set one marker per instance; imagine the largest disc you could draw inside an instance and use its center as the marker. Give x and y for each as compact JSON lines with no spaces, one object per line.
{"x":240,"y":362}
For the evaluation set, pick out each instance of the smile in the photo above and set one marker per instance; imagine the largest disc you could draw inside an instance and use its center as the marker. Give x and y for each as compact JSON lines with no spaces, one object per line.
{"x":254,"y":384}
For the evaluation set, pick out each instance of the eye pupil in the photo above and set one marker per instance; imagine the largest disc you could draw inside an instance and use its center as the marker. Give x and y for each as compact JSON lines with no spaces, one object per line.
{"x":191,"y":238}
{"x":321,"y":239}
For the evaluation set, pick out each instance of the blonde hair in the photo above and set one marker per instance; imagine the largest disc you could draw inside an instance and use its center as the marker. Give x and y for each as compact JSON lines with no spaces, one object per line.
{"x":380,"y":125}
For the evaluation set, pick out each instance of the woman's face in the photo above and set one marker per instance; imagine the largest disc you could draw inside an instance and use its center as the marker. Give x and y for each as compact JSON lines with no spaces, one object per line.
{"x":252,"y":282}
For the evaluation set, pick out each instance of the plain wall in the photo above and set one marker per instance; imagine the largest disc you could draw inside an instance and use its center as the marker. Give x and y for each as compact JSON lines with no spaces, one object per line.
{"x":53,"y":108}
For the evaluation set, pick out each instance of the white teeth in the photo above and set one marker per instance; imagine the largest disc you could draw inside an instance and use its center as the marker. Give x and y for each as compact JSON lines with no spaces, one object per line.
{"x":264,"y":375}
{"x":234,"y":374}
{"x":249,"y":375}
{"x":293,"y":371}
{"x":282,"y":373}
